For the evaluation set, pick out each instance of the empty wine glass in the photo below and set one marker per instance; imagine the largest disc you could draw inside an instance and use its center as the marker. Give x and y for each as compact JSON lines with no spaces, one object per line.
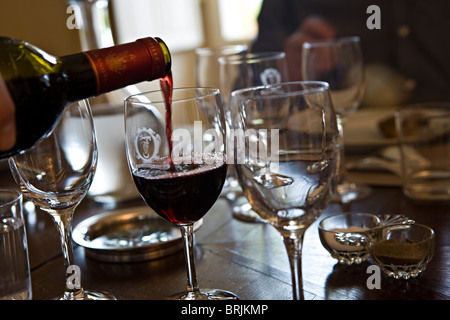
{"x":179,"y":170}
{"x":244,"y":71}
{"x":286,"y":158}
{"x":340,"y":63}
{"x":207,"y":63}
{"x":207,"y":75}
{"x":56,"y":175}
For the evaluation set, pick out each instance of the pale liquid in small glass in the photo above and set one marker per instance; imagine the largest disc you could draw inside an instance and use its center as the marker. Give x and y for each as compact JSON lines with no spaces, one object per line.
{"x":336,"y":246}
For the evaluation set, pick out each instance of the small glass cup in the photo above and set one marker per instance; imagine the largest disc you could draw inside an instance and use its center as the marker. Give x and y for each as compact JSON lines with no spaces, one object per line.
{"x":15,"y":280}
{"x":403,"y":251}
{"x":343,"y":235}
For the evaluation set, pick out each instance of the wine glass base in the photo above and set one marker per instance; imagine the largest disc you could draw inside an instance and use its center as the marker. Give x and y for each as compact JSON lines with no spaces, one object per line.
{"x":244,"y":212}
{"x":205,"y":294}
{"x":350,"y":192}
{"x":99,"y":295}
{"x":90,"y":295}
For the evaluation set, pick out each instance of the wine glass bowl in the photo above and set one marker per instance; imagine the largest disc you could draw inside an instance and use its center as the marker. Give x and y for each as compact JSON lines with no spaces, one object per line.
{"x":56,"y":175}
{"x":251,"y":70}
{"x":285,"y":137}
{"x":244,"y":71}
{"x":179,"y":169}
{"x":207,"y":70}
{"x":207,"y":63}
{"x":340,"y":63}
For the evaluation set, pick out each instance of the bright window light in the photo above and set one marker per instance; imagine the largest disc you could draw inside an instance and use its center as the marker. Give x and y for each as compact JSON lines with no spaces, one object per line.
{"x":238,"y":19}
{"x":177,"y":22}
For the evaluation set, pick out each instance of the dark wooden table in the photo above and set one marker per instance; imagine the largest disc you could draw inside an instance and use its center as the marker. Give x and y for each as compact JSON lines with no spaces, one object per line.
{"x":248,"y":259}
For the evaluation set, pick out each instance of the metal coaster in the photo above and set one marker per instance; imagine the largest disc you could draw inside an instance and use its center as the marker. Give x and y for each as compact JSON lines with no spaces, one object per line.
{"x":128,"y":235}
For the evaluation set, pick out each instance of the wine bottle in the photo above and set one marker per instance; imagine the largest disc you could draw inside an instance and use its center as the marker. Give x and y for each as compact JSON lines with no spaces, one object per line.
{"x":41,"y":85}
{"x":112,"y":182}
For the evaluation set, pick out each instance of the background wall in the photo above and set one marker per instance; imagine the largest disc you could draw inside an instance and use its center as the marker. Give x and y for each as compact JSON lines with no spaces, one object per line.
{"x":42,"y":23}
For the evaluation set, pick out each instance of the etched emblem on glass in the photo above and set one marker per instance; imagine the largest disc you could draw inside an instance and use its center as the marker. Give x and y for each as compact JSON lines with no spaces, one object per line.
{"x":147,"y":144}
{"x":270,"y":76}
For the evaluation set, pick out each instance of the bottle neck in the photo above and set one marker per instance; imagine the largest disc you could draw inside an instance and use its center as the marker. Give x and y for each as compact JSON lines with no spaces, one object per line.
{"x":98,"y":71}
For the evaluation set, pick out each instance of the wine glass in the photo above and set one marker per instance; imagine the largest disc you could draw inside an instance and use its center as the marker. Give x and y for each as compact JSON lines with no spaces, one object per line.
{"x":207,"y":64}
{"x":179,"y":170}
{"x":286,"y":161}
{"x":340,"y":63}
{"x":244,"y":71}
{"x":56,"y":175}
{"x":207,"y":75}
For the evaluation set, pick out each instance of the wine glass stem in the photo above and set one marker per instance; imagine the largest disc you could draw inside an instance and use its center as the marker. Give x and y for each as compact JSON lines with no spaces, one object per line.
{"x":293,"y":243}
{"x":63,"y":221}
{"x":187,"y":234}
{"x":342,"y":169}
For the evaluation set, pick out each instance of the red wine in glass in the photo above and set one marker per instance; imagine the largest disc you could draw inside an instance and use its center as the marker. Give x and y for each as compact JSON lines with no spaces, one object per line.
{"x":183,"y":193}
{"x":166,"y":84}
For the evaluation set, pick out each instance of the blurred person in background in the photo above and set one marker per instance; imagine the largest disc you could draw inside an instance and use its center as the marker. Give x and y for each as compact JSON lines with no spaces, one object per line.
{"x":406,"y":57}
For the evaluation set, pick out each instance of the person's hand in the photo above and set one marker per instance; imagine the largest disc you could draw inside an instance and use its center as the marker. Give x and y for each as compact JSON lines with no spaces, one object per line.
{"x":7,"y":118}
{"x":311,"y":29}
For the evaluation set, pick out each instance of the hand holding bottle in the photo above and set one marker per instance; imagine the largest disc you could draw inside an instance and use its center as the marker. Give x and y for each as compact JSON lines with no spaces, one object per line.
{"x":7,"y":118}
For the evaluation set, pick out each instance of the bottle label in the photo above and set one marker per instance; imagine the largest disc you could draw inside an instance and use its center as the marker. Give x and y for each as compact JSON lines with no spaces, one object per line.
{"x":121,"y":65}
